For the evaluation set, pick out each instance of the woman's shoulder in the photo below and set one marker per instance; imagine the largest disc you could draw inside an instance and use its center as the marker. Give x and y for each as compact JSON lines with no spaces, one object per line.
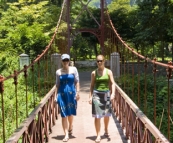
{"x":94,"y":72}
{"x":59,"y":71}
{"x":72,"y":68}
{"x":109,"y":71}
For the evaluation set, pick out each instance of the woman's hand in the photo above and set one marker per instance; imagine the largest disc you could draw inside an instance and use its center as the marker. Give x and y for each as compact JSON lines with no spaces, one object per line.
{"x":90,"y":100}
{"x":77,"y":97}
{"x":112,"y":96}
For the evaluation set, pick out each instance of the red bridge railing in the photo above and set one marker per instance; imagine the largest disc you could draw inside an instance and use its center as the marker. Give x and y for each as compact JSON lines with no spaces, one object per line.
{"x":148,"y":85}
{"x":137,"y":127}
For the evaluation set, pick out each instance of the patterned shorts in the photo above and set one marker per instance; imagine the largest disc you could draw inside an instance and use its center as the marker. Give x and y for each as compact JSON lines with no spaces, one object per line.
{"x":101,"y":105}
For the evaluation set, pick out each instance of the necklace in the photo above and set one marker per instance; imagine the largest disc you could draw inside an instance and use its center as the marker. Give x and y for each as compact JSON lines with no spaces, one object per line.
{"x":65,"y":70}
{"x":100,"y":70}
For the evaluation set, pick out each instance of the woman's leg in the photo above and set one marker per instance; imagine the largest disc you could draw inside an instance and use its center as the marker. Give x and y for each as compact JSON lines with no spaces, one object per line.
{"x":65,"y":126}
{"x":106,"y":122}
{"x":70,"y":120}
{"x":97,"y":127}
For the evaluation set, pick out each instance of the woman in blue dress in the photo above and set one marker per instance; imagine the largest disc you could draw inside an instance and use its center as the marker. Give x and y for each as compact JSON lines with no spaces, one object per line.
{"x":67,"y":83}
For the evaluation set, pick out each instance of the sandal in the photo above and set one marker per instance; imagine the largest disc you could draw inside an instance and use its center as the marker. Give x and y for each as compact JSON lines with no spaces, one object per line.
{"x":106,"y":134}
{"x":98,"y":140}
{"x":70,"y":132}
{"x":65,"y":139}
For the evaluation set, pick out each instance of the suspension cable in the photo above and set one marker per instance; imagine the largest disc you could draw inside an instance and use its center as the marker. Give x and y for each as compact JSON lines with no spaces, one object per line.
{"x":171,"y":119}
{"x":161,"y":119}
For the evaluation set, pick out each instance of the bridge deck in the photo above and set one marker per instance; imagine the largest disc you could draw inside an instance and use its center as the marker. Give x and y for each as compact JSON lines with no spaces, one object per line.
{"x":83,"y":127}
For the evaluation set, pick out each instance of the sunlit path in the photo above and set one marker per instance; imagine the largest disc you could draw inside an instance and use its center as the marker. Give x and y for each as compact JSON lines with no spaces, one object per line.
{"x":83,"y":128}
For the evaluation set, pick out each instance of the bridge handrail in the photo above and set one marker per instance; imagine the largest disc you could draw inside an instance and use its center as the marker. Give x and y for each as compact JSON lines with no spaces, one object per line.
{"x":139,"y":115}
{"x":24,"y":128}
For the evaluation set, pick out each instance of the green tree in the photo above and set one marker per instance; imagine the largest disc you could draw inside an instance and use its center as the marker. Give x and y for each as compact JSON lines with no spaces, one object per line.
{"x":26,"y":29}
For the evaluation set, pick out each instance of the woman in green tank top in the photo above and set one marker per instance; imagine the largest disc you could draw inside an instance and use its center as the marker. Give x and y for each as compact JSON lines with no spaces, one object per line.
{"x":102,"y":91}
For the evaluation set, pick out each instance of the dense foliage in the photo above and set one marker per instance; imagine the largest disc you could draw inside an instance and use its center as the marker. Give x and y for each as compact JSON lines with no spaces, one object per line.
{"x":25,"y":28}
{"x":147,"y":25}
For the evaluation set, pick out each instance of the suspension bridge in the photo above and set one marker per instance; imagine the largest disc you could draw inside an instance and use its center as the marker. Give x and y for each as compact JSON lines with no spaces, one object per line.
{"x":129,"y":122}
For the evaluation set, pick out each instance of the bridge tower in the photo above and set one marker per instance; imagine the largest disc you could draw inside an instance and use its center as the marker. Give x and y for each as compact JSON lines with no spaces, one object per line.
{"x":98,"y":32}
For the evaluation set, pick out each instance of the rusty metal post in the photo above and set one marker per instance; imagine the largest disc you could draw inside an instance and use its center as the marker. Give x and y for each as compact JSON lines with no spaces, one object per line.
{"x":44,"y":75}
{"x":26,"y":85}
{"x":15,"y":83}
{"x":39,"y":78}
{"x":154,"y":71}
{"x":112,"y":40}
{"x":33,"y":81}
{"x":169,"y":74}
{"x":46,"y":69}
{"x":117,"y":44}
{"x":110,"y":43}
{"x":124,"y":65}
{"x":128,"y":71}
{"x":145,"y":92}
{"x":102,"y":26}
{"x":68,"y":26}
{"x":133,"y":76}
{"x":139,"y":97}
{"x":2,"y":104}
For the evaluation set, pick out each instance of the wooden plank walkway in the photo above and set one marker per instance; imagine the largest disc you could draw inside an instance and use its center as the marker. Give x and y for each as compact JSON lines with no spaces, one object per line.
{"x":83,"y":127}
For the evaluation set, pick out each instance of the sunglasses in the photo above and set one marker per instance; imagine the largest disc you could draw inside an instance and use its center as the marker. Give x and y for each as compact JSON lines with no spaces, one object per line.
{"x":99,"y":61}
{"x":65,"y":60}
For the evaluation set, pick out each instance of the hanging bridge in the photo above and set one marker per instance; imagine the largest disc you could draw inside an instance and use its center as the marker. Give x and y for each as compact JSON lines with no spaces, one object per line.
{"x":136,"y":117}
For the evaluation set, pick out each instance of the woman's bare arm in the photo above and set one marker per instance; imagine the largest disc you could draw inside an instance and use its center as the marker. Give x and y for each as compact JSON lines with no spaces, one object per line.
{"x":92,"y":86}
{"x":112,"y":84}
{"x":77,"y":91}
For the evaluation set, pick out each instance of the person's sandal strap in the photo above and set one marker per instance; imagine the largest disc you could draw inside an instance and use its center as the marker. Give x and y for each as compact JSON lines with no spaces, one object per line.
{"x":106,"y":134}
{"x":70,"y":132}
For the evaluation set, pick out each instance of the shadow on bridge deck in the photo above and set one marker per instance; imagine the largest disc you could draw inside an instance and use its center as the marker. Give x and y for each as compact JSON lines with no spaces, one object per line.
{"x":83,"y":127}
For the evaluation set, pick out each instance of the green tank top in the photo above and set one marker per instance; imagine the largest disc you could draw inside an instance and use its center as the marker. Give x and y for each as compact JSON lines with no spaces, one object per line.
{"x":102,"y":82}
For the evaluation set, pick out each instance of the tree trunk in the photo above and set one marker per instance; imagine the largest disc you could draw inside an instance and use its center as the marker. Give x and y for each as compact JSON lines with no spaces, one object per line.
{"x":162,"y":49}
{"x":95,"y":49}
